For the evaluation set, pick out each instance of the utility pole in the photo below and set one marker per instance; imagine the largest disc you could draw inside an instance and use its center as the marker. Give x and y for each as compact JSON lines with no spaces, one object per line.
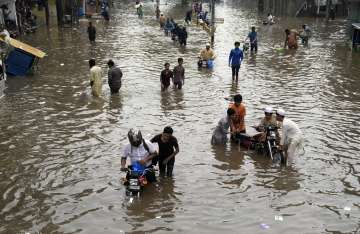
{"x":212,"y":21}
{"x":47,"y":14}
{"x":59,"y":12}
{"x":327,"y":9}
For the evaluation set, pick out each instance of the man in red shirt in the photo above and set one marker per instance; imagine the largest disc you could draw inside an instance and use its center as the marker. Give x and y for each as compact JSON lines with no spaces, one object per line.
{"x":237,"y":124}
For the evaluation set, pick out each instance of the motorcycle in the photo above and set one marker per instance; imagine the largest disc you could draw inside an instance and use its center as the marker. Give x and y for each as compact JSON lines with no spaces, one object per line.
{"x":135,"y":179}
{"x":206,"y":63}
{"x":271,"y":148}
{"x":246,"y":47}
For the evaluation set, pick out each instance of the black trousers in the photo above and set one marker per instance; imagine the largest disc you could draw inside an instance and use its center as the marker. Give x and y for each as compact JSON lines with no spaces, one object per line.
{"x":114,"y":90}
{"x":253,"y":46}
{"x":235,"y":70}
{"x":166,"y":169}
{"x":178,"y":84}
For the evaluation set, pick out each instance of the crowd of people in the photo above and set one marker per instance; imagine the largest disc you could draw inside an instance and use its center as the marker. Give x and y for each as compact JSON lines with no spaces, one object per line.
{"x":143,"y":151}
{"x":291,"y":37}
{"x":290,"y":141}
{"x":26,"y":20}
{"x":171,"y":28}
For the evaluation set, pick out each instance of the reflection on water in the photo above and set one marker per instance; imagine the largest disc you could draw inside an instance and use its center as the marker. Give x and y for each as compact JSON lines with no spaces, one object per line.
{"x":60,"y":147}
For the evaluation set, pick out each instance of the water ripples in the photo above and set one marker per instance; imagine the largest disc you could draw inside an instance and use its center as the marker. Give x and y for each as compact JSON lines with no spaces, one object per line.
{"x":60,"y":147}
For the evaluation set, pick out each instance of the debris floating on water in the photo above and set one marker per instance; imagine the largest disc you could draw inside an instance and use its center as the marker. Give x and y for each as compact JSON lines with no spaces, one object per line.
{"x":61,"y":64}
{"x":279,"y":218}
{"x":347,"y":208}
{"x":158,"y":217}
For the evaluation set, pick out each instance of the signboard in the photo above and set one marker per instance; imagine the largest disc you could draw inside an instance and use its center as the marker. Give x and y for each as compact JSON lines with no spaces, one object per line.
{"x":219,"y":20}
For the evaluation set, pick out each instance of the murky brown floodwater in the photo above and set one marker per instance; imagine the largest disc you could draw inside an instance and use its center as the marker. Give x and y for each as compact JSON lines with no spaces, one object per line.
{"x":61,"y":148}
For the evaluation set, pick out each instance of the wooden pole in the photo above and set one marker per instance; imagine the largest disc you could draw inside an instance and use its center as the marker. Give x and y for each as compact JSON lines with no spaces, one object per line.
{"x":18,"y":18}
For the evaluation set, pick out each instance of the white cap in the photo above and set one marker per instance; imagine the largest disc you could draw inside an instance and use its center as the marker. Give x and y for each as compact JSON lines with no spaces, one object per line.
{"x":268,"y":109}
{"x":208,"y":44}
{"x":280,"y":112}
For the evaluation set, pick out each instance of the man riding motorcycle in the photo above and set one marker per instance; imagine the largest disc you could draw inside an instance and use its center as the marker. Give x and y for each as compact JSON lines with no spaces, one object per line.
{"x":206,"y":55}
{"x":268,"y":120}
{"x":141,"y":151}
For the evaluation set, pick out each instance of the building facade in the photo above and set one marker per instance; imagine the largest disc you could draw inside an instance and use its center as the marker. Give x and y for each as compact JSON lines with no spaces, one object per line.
{"x":302,"y":7}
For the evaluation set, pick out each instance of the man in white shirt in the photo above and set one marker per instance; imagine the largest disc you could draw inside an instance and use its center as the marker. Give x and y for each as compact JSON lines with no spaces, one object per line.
{"x":270,"y":19}
{"x":141,"y":151}
{"x":291,"y":139}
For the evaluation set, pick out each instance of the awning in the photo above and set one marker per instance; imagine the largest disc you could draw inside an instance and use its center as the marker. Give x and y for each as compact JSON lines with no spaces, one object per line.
{"x":25,"y":47}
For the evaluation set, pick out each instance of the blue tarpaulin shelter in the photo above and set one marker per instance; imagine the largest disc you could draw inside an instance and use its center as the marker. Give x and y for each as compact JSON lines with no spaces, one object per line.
{"x":356,"y":36}
{"x":18,"y":62}
{"x":22,"y":58}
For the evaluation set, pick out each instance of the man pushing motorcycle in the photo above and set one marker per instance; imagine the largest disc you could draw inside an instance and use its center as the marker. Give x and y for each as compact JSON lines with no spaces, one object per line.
{"x":291,"y":138}
{"x":139,"y":151}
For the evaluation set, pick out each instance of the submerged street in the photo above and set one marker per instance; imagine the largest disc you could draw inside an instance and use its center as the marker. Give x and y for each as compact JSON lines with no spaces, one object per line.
{"x":60,"y":148}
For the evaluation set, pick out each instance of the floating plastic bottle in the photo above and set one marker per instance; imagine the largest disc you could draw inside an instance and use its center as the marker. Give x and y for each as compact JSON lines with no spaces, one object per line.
{"x":264,"y":226}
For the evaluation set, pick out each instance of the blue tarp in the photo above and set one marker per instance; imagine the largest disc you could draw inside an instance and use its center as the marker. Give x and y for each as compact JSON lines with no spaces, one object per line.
{"x":18,"y":62}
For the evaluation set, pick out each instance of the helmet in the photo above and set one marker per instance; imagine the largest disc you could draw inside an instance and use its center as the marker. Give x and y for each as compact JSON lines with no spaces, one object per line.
{"x":268,"y":110}
{"x":135,"y":137}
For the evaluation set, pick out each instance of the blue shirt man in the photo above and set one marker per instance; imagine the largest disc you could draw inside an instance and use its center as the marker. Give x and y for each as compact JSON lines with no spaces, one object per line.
{"x":235,"y":58}
{"x":253,"y":39}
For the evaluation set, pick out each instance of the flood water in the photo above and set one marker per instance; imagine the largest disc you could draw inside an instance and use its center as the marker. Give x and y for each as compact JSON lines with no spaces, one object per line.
{"x":60,"y":148}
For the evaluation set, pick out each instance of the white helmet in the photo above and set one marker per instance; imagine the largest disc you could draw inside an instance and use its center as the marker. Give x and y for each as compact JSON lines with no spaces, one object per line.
{"x":268,"y":110}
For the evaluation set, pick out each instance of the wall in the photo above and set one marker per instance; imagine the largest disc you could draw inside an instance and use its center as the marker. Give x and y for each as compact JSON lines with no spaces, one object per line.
{"x":282,"y":7}
{"x":354,"y":12}
{"x":11,"y":6}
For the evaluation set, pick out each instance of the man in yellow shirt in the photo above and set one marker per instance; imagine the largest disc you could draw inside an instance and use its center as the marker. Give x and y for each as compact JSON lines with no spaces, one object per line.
{"x":206,"y":54}
{"x":95,"y":78}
